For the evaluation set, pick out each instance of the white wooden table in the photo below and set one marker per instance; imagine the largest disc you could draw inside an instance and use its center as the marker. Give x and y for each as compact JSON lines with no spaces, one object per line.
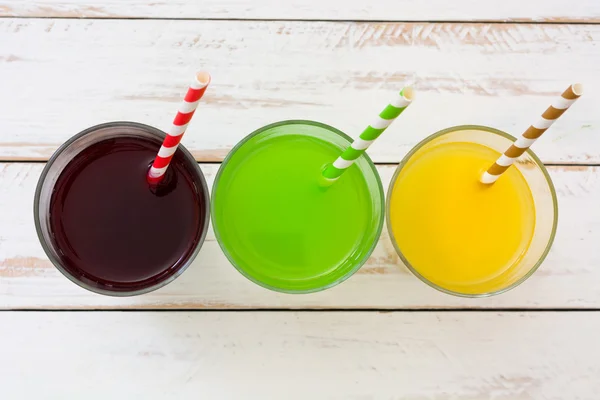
{"x":69,"y":64}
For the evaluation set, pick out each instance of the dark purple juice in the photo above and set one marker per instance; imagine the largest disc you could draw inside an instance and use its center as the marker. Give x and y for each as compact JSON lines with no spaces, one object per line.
{"x":113,"y":230}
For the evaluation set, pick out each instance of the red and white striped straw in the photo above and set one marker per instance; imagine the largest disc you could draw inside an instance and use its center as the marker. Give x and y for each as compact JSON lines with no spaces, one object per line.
{"x":180,"y":123}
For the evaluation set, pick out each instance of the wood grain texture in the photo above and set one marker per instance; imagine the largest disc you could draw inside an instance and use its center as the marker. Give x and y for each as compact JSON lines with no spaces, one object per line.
{"x":568,"y":278}
{"x":386,"y":10}
{"x":59,"y":76}
{"x":318,"y":355}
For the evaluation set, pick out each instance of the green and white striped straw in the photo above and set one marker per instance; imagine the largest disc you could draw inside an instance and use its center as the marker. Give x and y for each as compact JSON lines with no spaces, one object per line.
{"x":333,"y":171}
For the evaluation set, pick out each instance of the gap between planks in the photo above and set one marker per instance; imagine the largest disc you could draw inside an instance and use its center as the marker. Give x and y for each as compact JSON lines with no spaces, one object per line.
{"x":24,"y":160}
{"x":307,"y":310}
{"x":352,"y":20}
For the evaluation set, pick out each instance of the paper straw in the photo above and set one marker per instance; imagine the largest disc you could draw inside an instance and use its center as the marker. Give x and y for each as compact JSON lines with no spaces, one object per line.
{"x":180,"y":123}
{"x":389,"y":114}
{"x":556,"y":109}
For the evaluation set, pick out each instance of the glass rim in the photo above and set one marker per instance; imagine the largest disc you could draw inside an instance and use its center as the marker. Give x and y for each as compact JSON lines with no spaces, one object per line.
{"x":47,"y":247}
{"x":371,"y":165}
{"x":426,"y":141}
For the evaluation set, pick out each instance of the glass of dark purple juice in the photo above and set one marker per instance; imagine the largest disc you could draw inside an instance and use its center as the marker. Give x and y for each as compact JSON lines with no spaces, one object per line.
{"x":104,"y":227}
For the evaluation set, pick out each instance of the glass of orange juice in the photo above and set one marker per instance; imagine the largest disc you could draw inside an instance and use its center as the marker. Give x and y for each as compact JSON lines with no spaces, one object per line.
{"x":463,"y":237}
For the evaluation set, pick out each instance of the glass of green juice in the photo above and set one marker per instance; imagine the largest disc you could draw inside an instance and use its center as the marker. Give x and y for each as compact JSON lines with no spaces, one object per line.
{"x":278,"y":225}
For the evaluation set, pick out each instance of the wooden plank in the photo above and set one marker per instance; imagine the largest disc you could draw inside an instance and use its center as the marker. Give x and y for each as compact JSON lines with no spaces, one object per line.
{"x":61,"y":76}
{"x":568,"y":278}
{"x":379,"y":10}
{"x":291,"y":355}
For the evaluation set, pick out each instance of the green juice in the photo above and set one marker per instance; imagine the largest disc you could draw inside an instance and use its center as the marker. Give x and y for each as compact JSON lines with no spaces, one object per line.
{"x":277,"y":224}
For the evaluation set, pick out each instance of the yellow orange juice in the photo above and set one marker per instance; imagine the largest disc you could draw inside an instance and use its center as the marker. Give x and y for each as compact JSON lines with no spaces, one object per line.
{"x":455,"y":232}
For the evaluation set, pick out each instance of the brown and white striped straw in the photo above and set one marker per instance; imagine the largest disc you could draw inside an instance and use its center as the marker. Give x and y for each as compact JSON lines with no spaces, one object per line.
{"x":558,"y":107}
